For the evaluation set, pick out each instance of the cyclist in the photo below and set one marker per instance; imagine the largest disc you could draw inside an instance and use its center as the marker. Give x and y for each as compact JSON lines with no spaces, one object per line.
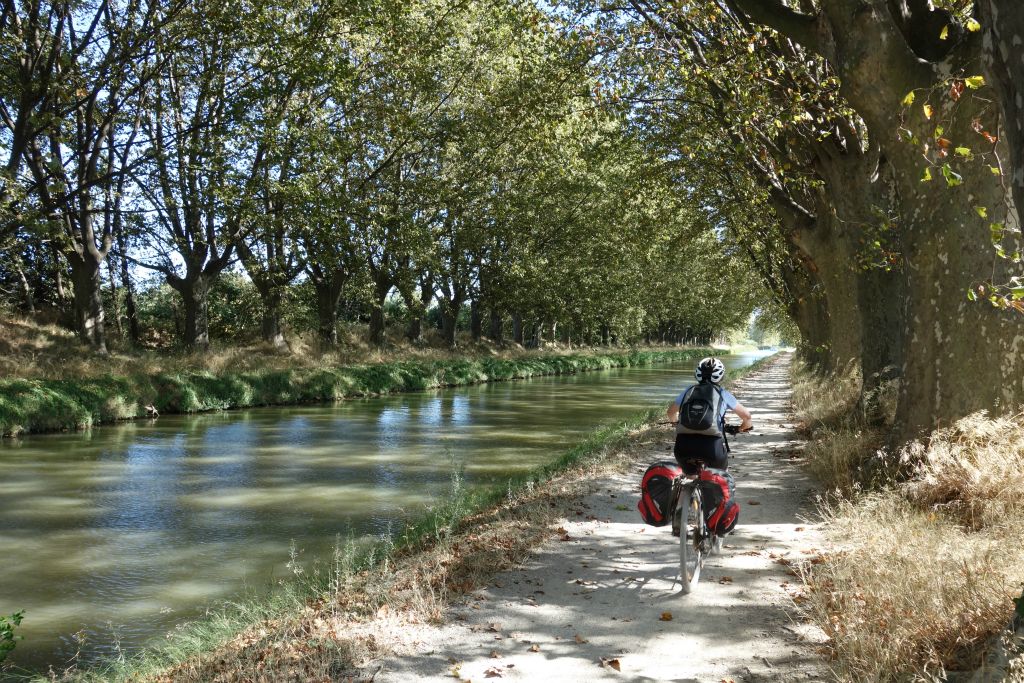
{"x":711,"y":448}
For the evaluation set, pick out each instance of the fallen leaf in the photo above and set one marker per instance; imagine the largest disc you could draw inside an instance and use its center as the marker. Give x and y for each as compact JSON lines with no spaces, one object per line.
{"x":665,"y":616}
{"x":799,"y":528}
{"x":613,"y":663}
{"x":725,"y":579}
{"x":495,"y":654}
{"x":580,"y":639}
{"x":494,"y":627}
{"x":493,"y":672}
{"x":753,"y":502}
{"x":535,"y":648}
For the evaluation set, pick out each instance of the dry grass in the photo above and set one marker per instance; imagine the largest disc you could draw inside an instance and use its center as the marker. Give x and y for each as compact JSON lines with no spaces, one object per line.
{"x":33,"y":350}
{"x":972,"y":471}
{"x":924,"y":571}
{"x":841,"y":440}
{"x":823,"y":402}
{"x":911,"y":594}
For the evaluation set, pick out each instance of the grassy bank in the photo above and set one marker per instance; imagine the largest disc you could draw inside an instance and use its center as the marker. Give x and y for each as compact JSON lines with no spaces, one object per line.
{"x":39,"y":405}
{"x":329,"y":622}
{"x":930,"y":557}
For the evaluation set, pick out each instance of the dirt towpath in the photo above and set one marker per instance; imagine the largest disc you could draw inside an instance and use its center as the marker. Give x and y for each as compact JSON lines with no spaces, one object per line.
{"x":602,"y":601}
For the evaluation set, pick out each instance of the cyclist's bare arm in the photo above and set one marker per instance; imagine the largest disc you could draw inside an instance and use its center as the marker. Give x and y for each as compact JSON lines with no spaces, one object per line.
{"x":672,"y":413}
{"x":744,"y":414}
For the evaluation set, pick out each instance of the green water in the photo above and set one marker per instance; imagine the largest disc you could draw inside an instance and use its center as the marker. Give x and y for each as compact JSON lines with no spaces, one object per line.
{"x":121,"y":533}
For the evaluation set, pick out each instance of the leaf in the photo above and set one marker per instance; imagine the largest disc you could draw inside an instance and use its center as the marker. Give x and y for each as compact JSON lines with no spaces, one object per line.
{"x":974,"y":82}
{"x":580,"y":639}
{"x":665,"y":616}
{"x":995,"y":170}
{"x":927,"y":111}
{"x":996,"y":231}
{"x":909,"y":99}
{"x":534,"y":648}
{"x":952,"y":177}
{"x":971,"y":296}
{"x":613,"y":663}
{"x":963,"y":151}
{"x":973,"y":26}
{"x":981,"y":211}
{"x":927,"y":175}
{"x":944,"y":34}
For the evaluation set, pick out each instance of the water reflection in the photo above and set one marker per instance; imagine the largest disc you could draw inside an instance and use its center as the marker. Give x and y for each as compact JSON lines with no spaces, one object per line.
{"x":122,"y":532}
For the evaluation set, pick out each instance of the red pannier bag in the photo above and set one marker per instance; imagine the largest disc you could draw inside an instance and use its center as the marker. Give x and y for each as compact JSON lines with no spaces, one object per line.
{"x":656,"y":491}
{"x":724,"y":512}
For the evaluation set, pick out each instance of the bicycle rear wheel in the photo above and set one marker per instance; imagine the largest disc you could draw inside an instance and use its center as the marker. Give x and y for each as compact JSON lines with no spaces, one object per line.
{"x":691,"y":538}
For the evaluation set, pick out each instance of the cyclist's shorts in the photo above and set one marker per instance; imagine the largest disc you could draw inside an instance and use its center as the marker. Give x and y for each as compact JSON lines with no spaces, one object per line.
{"x":691,"y":447}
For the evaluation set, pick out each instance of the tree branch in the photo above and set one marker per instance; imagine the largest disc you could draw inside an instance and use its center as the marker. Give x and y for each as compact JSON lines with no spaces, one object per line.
{"x":794,"y":25}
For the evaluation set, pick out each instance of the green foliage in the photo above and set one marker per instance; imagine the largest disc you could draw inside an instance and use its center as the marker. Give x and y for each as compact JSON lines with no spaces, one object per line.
{"x":7,"y":638}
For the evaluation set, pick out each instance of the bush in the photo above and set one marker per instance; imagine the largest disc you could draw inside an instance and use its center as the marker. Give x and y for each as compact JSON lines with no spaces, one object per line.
{"x":7,"y":638}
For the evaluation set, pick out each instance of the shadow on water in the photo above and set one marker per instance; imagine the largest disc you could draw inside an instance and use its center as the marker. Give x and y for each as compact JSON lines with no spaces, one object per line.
{"x":120,"y":533}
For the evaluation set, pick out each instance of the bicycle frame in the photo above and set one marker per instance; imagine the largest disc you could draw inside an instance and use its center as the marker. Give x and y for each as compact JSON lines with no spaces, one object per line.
{"x":696,"y":540}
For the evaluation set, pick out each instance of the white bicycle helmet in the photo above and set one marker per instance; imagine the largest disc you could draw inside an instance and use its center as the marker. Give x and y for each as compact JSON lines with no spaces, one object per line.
{"x":710,"y":369}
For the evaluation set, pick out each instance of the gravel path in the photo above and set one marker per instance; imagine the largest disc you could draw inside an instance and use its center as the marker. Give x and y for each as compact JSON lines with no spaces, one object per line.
{"x":602,"y":600}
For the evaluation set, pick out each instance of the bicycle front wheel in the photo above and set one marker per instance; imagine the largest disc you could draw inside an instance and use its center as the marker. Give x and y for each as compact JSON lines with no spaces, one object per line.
{"x":691,"y":538}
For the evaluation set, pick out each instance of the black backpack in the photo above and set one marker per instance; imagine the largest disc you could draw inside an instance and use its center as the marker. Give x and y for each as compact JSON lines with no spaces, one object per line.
{"x":701,"y":411}
{"x":656,"y":491}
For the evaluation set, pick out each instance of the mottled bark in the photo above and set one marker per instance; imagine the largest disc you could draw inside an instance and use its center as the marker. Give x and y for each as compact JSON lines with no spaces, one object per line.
{"x":131,"y":312}
{"x":88,"y":300}
{"x":476,"y":320}
{"x":381,"y":287}
{"x":496,"y":329}
{"x":272,"y":327}
{"x":194,"y":289}
{"x":1003,"y":23}
{"x":328,"y":288}
{"x":449,"y":320}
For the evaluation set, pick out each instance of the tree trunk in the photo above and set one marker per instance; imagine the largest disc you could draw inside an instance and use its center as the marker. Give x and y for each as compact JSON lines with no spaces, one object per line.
{"x":26,"y":288}
{"x":271,"y":327}
{"x":129,"y":294}
{"x":328,"y":294}
{"x":476,"y":320}
{"x":962,"y":356}
{"x":112,"y":274}
{"x":517,"y":329}
{"x":449,"y":320}
{"x":377,"y":329}
{"x":88,"y":300}
{"x":195,"y":294}
{"x":1003,"y":21}
{"x":495,"y":330}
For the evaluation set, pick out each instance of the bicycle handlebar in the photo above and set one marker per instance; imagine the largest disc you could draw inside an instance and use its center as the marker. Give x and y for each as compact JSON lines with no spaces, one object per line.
{"x":729,"y":429}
